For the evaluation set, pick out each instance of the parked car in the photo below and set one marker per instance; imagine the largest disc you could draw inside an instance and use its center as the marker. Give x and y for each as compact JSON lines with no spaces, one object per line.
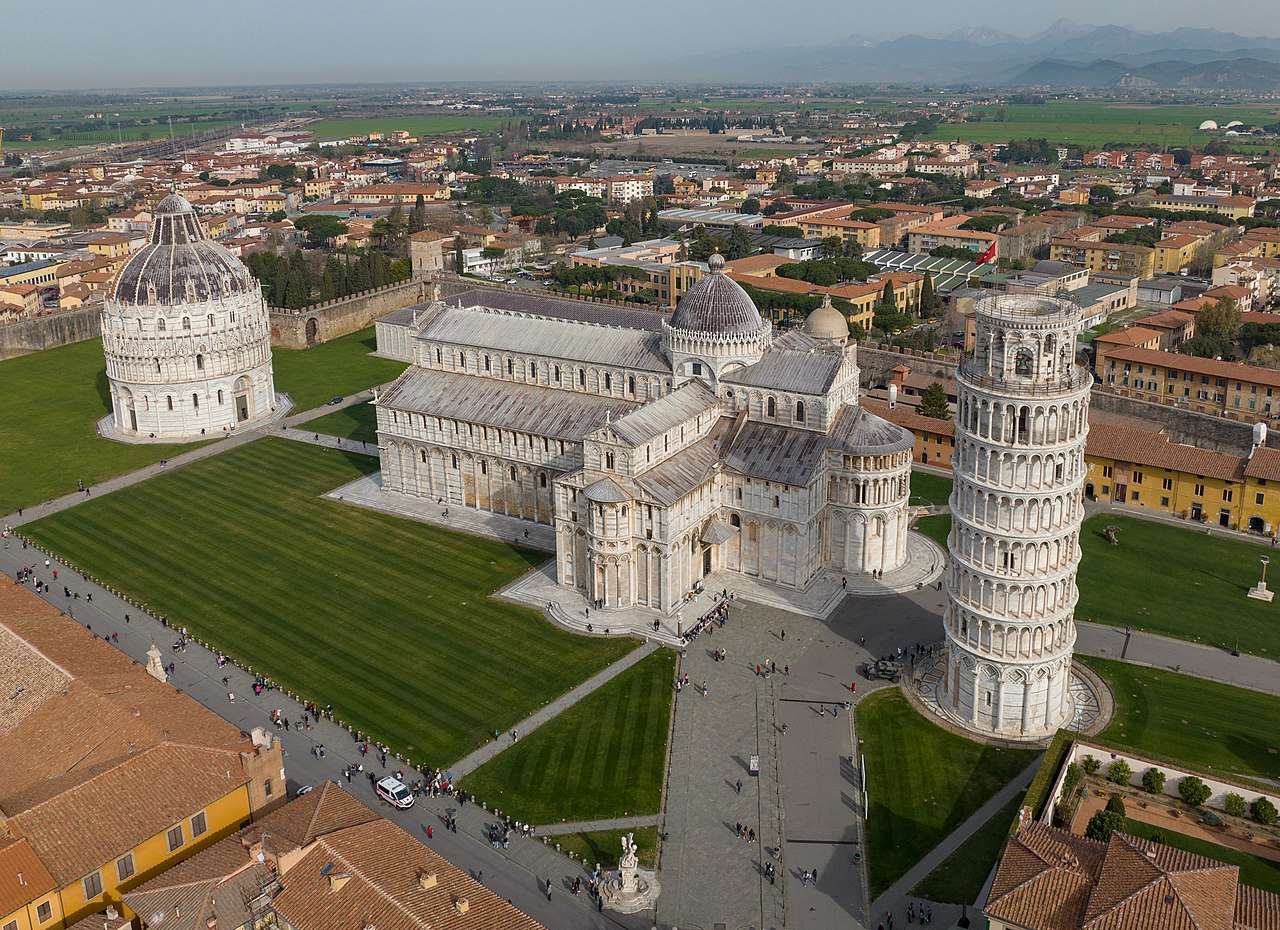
{"x":394,"y":792}
{"x":334,"y":401}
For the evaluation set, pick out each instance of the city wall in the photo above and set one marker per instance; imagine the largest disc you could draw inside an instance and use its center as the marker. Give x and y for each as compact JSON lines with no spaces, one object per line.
{"x":47,"y":332}
{"x":308,"y":326}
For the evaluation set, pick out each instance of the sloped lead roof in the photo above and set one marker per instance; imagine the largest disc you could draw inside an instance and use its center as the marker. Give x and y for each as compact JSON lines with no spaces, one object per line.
{"x":181,"y":265}
{"x":716,"y":304}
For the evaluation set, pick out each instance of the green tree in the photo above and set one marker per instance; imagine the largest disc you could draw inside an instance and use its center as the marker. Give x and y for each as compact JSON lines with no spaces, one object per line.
{"x":297,"y":294}
{"x":751,"y":205}
{"x":320,"y":228}
{"x":933,"y":402}
{"x":886,"y":297}
{"x":418,"y":215}
{"x":1102,"y":193}
{"x":1115,"y":804}
{"x":399,"y":270}
{"x":459,"y":261}
{"x":927,"y":300}
{"x":1220,"y":324}
{"x":279,"y":285}
{"x":332,"y":284}
{"x":1194,"y":791}
{"x":1090,"y":764}
{"x":1153,"y":781}
{"x":1234,"y":804}
{"x":739,"y":243}
{"x":1103,"y":824}
{"x":485,"y":216}
{"x":1119,"y":772}
{"x":1264,"y":812}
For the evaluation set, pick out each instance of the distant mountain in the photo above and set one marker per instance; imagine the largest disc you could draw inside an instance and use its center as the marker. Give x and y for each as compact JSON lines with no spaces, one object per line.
{"x":987,"y":56}
{"x":1241,"y":74}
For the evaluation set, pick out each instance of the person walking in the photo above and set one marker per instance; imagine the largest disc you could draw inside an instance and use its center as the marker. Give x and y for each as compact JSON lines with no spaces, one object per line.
{"x":738,"y":787}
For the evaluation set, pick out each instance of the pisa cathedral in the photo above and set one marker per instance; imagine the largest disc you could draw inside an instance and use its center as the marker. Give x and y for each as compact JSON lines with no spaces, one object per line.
{"x":660,"y":449}
{"x":187,"y":337}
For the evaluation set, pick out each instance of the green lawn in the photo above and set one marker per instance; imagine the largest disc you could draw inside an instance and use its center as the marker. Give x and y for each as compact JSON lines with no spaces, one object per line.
{"x":960,"y":877}
{"x":47,"y":440}
{"x":388,"y":619}
{"x":922,"y":782}
{"x":1255,"y":871}
{"x":326,"y":129}
{"x":604,"y":757}
{"x":1129,"y":584}
{"x":605,"y":846}
{"x":358,"y":422}
{"x":1096,"y":122}
{"x":335,"y":368}
{"x":928,"y":489}
{"x":1209,"y":726}
{"x":937,"y":528}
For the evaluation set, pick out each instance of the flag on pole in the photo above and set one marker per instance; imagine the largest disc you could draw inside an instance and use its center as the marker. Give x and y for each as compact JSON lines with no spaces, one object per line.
{"x":989,"y":254}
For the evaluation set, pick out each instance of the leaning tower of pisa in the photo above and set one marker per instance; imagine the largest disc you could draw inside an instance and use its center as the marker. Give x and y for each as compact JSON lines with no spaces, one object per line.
{"x":1016,"y":507}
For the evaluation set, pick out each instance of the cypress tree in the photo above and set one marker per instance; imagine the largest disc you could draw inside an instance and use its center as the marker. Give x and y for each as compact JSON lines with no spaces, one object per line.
{"x":926,"y":295}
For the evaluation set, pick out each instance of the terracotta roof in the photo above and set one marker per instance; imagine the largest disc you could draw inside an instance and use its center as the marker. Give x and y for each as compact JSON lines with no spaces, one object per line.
{"x":1129,"y":336}
{"x":1154,"y":449}
{"x":907,"y":417}
{"x":221,"y":882}
{"x":300,"y":822}
{"x":23,"y":877}
{"x":1264,"y":463}
{"x":1044,"y":879}
{"x":378,"y":870}
{"x":1257,"y":909}
{"x":1249,"y":374}
{"x":754,"y":264}
{"x":1170,"y":319}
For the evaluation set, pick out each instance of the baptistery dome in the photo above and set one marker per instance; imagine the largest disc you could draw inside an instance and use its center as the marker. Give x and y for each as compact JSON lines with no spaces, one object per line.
{"x":181,"y":264}
{"x":716,"y":304}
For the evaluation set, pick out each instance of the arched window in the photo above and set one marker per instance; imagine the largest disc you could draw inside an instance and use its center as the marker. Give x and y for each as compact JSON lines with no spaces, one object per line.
{"x":608,"y":460}
{"x":631,"y":385}
{"x":157,"y":361}
{"x":542,"y":479}
{"x":423,"y":453}
{"x":484,"y":467}
{"x":511,"y":367}
{"x":533,"y":369}
{"x":739,"y":493}
{"x":488,"y":364}
{"x":799,"y":411}
{"x":1023,"y":362}
{"x":186,"y":322}
{"x":195,"y":401}
{"x":211,"y":319}
{"x":169,"y":400}
{"x":771,"y":408}
{"x":513,"y":473}
{"x":160,"y":324}
{"x":557,"y":374}
{"x":455,"y":462}
{"x":139,"y":324}
{"x":582,"y":377}
{"x":199,"y":362}
{"x":219,"y":395}
{"x":232,"y":316}
{"x":734,"y":520}
{"x":608,"y":381}
{"x":439,"y":356}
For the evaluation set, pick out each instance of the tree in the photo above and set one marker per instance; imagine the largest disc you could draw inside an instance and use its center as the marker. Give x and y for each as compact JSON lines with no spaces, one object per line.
{"x":297,"y":294}
{"x":933,"y":402}
{"x":886,"y":297}
{"x":750,"y":205}
{"x":1103,"y":824}
{"x":1115,"y":804}
{"x":418,"y":216}
{"x":1071,"y":778}
{"x":927,"y":300}
{"x":1119,"y":772}
{"x":1090,"y":764}
{"x":1264,"y":812}
{"x":1220,"y":323}
{"x":739,"y":243}
{"x":485,"y":216}
{"x":1153,"y":781}
{"x":320,"y":228}
{"x":1102,"y":193}
{"x":1234,"y":804}
{"x":1194,"y":791}
{"x":459,"y":262}
{"x":832,"y":246}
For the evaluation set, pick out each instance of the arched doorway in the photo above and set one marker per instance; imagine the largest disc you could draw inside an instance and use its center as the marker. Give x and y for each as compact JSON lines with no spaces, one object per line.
{"x":126,"y":398}
{"x":312,"y":328}
{"x":1088,"y":491}
{"x":1257,"y":525}
{"x":244,"y":398}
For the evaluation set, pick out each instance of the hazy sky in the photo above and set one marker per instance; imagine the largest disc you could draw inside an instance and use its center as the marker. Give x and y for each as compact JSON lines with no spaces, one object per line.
{"x":92,"y":44}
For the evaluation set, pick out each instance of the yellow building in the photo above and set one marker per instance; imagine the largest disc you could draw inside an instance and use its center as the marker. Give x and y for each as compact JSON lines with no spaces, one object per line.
{"x":42,"y":272}
{"x":110,"y":245}
{"x":107,"y":775}
{"x":1245,"y":392}
{"x":316,"y":188}
{"x":1134,"y":261}
{"x":1173,"y":253}
{"x":1235,"y":207}
{"x":866,"y":235}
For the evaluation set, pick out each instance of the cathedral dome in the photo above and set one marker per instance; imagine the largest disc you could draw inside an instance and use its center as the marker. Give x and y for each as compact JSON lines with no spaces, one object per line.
{"x":827,"y":323}
{"x":181,"y":264}
{"x":717,"y":305}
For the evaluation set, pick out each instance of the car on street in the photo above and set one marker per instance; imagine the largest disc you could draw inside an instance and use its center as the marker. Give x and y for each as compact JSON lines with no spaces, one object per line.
{"x":394,"y":792}
{"x":334,"y":401}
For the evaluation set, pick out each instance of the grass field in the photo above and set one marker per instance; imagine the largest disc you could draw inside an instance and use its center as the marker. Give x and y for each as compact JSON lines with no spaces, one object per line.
{"x":928,"y":489}
{"x":1204,"y":602}
{"x":922,"y":781}
{"x":1209,"y":726}
{"x":960,"y":877}
{"x":602,"y":758}
{"x":336,"y":368}
{"x":47,"y":440}
{"x":1255,"y":871}
{"x":936,"y":527}
{"x":414,"y":125}
{"x":605,"y":846}
{"x":386,"y":618}
{"x":1096,"y":122}
{"x":358,"y":422}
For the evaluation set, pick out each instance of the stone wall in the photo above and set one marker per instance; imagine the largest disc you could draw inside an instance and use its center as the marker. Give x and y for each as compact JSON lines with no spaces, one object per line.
{"x":298,"y":329}
{"x":47,"y":332}
{"x":876,"y":361}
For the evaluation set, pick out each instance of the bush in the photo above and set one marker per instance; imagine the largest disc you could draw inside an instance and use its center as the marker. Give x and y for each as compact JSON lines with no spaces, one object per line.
{"x":1263,"y":812}
{"x":1091,"y":765}
{"x":1119,"y":772}
{"x":1115,"y":804}
{"x":1194,"y":791}
{"x":1071,"y":779}
{"x":1212,"y":819}
{"x":1153,"y":781}
{"x":1103,"y":824}
{"x":1234,"y":804}
{"x":1158,"y":837}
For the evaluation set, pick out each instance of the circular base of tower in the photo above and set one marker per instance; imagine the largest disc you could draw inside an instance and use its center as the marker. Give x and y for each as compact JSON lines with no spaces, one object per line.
{"x":108,"y":429}
{"x":1090,"y":711}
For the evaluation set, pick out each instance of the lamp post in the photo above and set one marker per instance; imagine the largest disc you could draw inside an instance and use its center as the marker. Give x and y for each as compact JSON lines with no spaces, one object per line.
{"x":1259,"y":591}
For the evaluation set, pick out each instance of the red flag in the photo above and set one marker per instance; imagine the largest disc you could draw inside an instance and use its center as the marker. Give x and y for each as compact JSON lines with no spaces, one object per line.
{"x":989,"y":254}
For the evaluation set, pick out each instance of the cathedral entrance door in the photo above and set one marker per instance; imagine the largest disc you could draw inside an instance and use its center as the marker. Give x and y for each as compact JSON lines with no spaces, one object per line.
{"x":706,"y":561}
{"x":242,"y":408}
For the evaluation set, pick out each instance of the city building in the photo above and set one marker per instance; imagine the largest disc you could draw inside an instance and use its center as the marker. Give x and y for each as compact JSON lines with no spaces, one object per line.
{"x":1206,"y":385}
{"x":1021,"y":422}
{"x":186,"y":336}
{"x":661,"y":449}
{"x":108,"y":776}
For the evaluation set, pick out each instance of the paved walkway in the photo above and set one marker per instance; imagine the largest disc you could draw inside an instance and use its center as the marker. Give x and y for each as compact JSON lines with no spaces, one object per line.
{"x":518,"y":873}
{"x":895,"y":899}
{"x":591,"y":826}
{"x":1177,"y":654}
{"x":488,"y":751}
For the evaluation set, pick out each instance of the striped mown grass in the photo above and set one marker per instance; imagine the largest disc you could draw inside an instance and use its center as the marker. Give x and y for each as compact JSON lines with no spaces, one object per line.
{"x":387,"y":619}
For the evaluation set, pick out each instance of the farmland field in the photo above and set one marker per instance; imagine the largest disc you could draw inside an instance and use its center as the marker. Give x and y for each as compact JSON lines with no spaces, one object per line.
{"x":415,"y":125}
{"x":1094,"y":123}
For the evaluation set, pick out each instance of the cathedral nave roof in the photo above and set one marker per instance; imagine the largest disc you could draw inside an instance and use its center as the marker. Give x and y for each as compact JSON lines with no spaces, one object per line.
{"x":803,"y":372}
{"x":525,"y":408}
{"x":561,"y":339}
{"x":561,"y":308}
{"x":776,"y":453}
{"x":667,"y":412}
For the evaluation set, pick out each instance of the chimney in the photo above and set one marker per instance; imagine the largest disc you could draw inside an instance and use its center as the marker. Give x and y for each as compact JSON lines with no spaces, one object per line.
{"x":427,"y":880}
{"x":1024,"y":818}
{"x":211,"y":922}
{"x":462,"y":905}
{"x":337,"y":880}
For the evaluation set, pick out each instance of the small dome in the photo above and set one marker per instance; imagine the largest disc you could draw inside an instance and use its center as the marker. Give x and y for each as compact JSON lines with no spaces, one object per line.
{"x":181,"y":265}
{"x":606,"y":491}
{"x":827,"y":322}
{"x":1208,"y":124}
{"x":716,"y":304}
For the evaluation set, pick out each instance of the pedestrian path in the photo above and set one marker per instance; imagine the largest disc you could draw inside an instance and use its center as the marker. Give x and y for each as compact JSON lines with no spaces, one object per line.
{"x":593,"y":826}
{"x":898,"y":895}
{"x":470,"y":763}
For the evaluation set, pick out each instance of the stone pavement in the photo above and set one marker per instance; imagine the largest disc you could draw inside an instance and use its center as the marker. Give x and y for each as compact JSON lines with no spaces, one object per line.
{"x":621,"y":824}
{"x":486,"y":752}
{"x":518,"y":873}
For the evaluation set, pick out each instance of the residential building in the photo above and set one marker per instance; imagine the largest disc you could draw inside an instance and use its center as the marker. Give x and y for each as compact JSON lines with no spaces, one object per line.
{"x":108,"y":775}
{"x":952,"y":168}
{"x":1234,"y":207}
{"x":1135,"y":261}
{"x":1174,"y":327}
{"x":929,"y":236}
{"x":1203,"y":384}
{"x":871,"y":166}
